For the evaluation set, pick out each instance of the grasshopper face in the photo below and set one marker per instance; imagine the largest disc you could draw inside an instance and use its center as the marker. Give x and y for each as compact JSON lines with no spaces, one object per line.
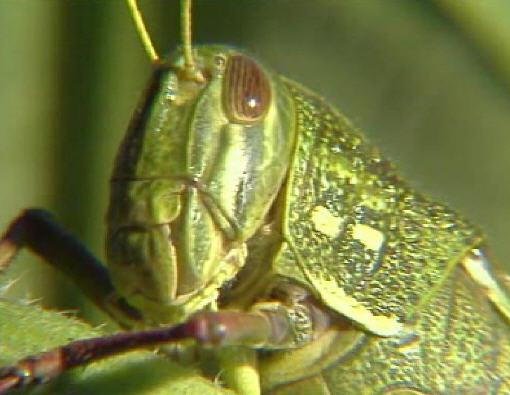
{"x":195,"y":177}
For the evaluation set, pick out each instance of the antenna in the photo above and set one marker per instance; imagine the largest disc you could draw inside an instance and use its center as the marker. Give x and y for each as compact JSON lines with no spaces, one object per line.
{"x":187,"y":48}
{"x":142,"y":30}
{"x":190,"y":68}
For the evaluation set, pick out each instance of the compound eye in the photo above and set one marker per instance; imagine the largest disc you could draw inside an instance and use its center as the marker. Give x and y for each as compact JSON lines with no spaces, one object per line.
{"x":246,"y":90}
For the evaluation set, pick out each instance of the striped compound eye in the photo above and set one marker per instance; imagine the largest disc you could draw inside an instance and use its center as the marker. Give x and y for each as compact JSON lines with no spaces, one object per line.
{"x":246,"y":90}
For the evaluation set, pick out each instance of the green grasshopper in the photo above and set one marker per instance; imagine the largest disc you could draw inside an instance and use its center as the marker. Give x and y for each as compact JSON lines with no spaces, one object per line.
{"x":248,"y":215}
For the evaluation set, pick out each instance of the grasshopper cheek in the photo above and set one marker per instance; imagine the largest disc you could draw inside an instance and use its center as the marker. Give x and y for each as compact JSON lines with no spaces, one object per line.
{"x":246,"y":90}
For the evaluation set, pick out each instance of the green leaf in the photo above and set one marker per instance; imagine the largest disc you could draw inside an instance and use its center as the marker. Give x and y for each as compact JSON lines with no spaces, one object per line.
{"x":27,"y":329}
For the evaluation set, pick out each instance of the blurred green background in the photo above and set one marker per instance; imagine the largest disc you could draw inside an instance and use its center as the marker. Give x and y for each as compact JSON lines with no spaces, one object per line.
{"x":428,"y":82}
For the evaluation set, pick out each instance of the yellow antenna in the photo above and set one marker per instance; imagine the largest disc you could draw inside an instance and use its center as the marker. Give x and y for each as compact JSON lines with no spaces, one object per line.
{"x":142,"y":30}
{"x":186,"y":34}
{"x":189,"y":62}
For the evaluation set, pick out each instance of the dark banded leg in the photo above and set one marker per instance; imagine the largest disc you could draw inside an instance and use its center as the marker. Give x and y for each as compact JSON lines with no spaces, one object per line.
{"x":255,"y":329}
{"x":36,"y":230}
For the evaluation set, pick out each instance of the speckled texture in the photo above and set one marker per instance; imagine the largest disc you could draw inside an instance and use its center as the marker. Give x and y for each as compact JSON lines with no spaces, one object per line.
{"x":335,"y":168}
{"x":462,"y":348}
{"x":453,"y":340}
{"x":457,"y":345}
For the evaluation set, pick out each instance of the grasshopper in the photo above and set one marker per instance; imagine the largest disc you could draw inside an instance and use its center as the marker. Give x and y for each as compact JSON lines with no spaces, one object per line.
{"x":251,"y":217}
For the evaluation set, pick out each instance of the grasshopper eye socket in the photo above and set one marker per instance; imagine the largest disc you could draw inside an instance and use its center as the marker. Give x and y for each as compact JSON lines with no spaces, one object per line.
{"x":246,"y":90}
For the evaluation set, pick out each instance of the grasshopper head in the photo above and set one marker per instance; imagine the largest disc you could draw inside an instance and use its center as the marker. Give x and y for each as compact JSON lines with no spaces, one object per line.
{"x":195,"y":176}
